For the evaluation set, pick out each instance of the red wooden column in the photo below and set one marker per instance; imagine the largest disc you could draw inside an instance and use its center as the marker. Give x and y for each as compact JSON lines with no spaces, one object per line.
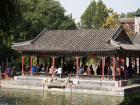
{"x":77,"y":66}
{"x":103,"y":64}
{"x":114,"y":67}
{"x":31,"y":64}
{"x":23,"y":65}
{"x":119,"y":67}
{"x":53,"y":62}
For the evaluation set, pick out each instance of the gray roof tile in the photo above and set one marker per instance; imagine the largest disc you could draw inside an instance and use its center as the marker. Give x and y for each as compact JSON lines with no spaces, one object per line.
{"x":136,"y":38}
{"x":93,"y":40}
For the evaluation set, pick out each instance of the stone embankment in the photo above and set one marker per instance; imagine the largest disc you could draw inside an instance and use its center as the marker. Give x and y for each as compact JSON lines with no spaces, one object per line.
{"x":89,"y":86}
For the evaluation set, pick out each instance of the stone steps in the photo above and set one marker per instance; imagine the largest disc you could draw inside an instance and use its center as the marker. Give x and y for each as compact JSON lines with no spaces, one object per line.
{"x":91,"y":87}
{"x":22,"y":83}
{"x":35,"y":78}
{"x":98,"y":83}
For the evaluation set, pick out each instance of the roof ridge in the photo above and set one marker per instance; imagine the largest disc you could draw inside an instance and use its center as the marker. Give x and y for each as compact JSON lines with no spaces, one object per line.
{"x":42,"y":32}
{"x":119,"y":28}
{"x":133,"y":37}
{"x":75,"y":30}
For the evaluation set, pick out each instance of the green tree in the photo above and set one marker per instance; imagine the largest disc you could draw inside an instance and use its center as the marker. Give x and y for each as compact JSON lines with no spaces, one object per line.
{"x":138,"y":11}
{"x":131,"y":100}
{"x":95,"y":15}
{"x":39,"y":14}
{"x":9,"y":9}
{"x":112,"y":20}
{"x":130,"y":14}
{"x":122,"y":15}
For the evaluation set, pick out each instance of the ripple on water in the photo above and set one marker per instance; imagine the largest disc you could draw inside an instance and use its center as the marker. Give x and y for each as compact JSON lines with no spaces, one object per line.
{"x":32,"y":97}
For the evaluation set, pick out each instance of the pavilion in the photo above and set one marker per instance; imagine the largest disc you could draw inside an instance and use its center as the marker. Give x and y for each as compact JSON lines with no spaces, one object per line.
{"x":112,"y":43}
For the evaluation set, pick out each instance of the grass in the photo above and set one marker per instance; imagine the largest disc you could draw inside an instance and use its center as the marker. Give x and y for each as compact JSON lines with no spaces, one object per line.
{"x":131,"y":100}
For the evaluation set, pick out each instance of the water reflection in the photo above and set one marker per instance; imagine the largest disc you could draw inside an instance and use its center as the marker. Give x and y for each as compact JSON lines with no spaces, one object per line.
{"x":32,"y":97}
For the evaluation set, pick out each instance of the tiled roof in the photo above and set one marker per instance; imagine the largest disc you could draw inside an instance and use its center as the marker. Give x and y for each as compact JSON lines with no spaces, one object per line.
{"x":71,"y":40}
{"x":93,"y":40}
{"x":130,"y":47}
{"x":124,"y":20}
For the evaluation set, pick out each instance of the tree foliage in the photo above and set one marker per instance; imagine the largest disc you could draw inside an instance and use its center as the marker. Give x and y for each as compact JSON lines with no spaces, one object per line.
{"x":95,"y":15}
{"x":39,"y":14}
{"x":131,"y":100}
{"x":130,"y":14}
{"x":9,"y":10}
{"x":112,"y":20}
{"x":22,"y":20}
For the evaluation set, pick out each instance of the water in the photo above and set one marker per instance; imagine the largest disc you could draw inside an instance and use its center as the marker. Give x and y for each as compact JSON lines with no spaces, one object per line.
{"x":32,"y":97}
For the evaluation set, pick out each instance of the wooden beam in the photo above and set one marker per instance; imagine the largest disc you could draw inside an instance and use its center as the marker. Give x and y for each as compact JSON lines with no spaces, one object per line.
{"x":114,"y":67}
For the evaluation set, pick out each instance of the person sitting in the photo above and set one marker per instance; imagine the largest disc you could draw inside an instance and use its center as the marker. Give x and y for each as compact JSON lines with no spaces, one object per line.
{"x":13,"y":71}
{"x":43,"y":68}
{"x":52,"y":71}
{"x":85,"y":70}
{"x":81,"y":70}
{"x":34,"y":70}
{"x":40,"y":67}
{"x":7,"y":73}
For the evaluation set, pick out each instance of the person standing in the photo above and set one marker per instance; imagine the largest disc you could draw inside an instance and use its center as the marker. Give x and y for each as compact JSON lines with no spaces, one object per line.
{"x":59,"y":71}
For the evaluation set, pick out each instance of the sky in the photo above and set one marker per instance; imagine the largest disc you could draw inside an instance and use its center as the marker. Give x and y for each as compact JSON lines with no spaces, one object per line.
{"x":77,"y":7}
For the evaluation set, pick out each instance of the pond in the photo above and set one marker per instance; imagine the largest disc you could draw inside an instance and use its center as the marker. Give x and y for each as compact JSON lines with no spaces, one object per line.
{"x":33,"y":97}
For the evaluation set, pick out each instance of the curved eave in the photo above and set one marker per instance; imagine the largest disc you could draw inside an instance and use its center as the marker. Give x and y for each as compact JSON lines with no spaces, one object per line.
{"x":130,"y":47}
{"x":16,"y":45}
{"x":66,"y":50}
{"x":66,"y":53}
